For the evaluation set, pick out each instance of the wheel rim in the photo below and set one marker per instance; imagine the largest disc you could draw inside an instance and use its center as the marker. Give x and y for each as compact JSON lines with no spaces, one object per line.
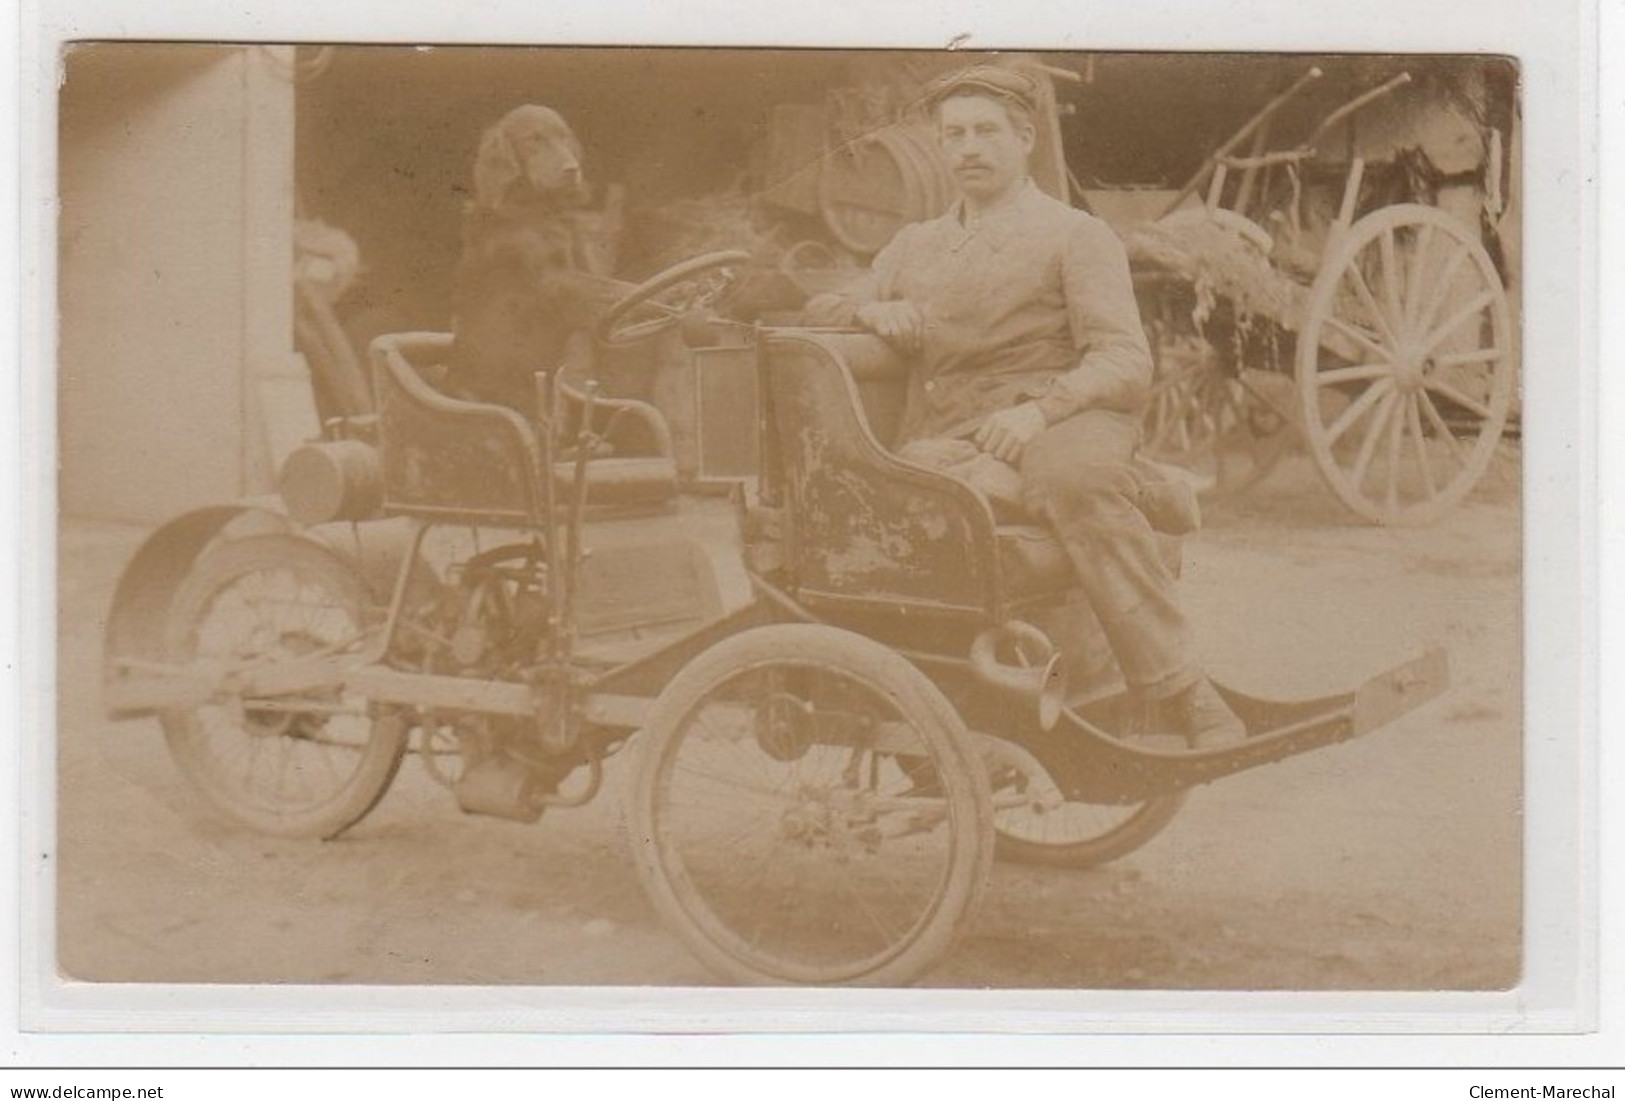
{"x":816,"y":853}
{"x":1406,"y":365}
{"x":1039,"y":822}
{"x":283,"y":757}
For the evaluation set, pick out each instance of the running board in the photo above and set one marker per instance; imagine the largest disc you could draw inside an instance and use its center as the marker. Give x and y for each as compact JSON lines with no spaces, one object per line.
{"x":1382,"y":699}
{"x":1091,"y":765}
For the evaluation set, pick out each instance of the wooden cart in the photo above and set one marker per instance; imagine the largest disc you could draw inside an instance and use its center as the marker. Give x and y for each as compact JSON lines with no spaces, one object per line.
{"x":1386,"y":343}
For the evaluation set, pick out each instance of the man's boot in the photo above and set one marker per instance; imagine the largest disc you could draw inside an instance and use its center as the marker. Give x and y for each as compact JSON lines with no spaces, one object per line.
{"x":1201,"y":715}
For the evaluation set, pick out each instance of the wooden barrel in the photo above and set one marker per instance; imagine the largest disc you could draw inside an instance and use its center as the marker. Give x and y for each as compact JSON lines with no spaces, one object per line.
{"x":874,"y":185}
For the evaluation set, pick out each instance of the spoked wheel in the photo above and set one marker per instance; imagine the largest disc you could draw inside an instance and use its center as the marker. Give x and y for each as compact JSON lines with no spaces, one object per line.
{"x":1036,"y":824}
{"x":1204,"y":419}
{"x":1405,"y":364}
{"x":807,"y":811}
{"x":297,"y":766}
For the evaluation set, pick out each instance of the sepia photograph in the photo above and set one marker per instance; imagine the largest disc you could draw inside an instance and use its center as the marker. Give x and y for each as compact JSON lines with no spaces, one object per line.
{"x":680,"y":517}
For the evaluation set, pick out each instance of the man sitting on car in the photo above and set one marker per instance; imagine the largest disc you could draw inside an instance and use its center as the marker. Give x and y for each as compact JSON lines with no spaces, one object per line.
{"x":1018,"y":317}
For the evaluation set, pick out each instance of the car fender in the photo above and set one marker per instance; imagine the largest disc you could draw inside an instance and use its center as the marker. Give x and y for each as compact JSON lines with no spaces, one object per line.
{"x":138,"y":617}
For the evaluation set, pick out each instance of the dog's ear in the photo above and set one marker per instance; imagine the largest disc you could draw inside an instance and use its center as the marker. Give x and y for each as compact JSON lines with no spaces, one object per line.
{"x":496,"y":167}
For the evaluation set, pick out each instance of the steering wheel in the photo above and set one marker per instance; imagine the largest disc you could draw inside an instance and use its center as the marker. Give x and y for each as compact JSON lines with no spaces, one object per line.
{"x":670,"y":296}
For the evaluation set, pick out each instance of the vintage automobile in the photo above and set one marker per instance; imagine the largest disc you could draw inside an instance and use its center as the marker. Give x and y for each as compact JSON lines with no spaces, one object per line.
{"x":828,"y":764}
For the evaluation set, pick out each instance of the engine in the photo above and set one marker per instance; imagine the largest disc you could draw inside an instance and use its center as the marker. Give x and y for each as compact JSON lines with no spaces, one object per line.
{"x":489,"y":620}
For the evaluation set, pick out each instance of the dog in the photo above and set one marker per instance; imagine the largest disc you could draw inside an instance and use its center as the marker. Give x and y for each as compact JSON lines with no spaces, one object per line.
{"x":525,"y":300}
{"x":528,"y":164}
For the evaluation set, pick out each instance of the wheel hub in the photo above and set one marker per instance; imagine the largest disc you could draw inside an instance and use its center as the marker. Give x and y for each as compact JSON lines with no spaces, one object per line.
{"x":1410,"y":369}
{"x":830,"y":818}
{"x":278,"y":723}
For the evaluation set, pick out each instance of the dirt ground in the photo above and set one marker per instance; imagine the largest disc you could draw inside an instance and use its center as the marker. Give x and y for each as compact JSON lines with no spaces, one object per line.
{"x":1393,"y":862}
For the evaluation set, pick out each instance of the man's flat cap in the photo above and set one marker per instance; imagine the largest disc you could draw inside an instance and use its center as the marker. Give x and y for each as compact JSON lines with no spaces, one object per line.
{"x":986,"y":80}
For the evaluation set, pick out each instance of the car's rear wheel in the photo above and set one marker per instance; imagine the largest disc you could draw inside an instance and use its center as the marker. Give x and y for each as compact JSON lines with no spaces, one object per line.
{"x":307,"y":765}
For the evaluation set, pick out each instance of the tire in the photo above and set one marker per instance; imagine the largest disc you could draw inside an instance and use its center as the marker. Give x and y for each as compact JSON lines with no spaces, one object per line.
{"x":806,"y":811}
{"x":285,"y":772}
{"x":1079,"y":836}
{"x":1406,"y":364}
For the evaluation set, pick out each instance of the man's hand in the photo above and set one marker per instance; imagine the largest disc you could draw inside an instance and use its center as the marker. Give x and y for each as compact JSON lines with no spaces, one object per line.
{"x":899,"y":323}
{"x":1007,"y":432}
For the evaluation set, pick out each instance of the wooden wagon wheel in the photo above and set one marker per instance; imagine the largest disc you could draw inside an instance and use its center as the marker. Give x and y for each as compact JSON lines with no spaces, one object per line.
{"x":1201,"y":415}
{"x":1203,"y":418}
{"x":1405,"y":364}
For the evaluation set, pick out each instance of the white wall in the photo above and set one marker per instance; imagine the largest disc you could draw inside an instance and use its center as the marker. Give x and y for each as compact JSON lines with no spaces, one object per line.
{"x":175,"y":180}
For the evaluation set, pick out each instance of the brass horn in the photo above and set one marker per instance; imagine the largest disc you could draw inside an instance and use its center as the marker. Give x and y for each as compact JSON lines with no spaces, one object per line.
{"x":1035,"y":673}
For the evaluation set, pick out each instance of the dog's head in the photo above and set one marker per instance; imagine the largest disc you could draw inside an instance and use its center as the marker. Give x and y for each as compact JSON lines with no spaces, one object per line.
{"x":528,"y":159}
